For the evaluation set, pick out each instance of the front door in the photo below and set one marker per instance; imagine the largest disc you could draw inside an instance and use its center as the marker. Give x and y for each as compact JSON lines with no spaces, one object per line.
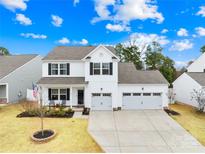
{"x":80,"y":97}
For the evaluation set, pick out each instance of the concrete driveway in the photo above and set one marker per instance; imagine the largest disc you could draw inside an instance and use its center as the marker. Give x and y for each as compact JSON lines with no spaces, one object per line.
{"x":140,"y":131}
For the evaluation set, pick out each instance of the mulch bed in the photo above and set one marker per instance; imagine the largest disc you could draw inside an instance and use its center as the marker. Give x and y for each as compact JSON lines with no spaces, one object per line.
{"x":27,"y":114}
{"x":46,"y":133}
{"x":171,"y":112}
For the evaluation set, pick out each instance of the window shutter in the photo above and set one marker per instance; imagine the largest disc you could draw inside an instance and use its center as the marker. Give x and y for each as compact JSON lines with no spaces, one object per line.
{"x":68,"y":94}
{"x":68,"y":68}
{"x":49,"y":94}
{"x":91,"y":68}
{"x":49,"y":68}
{"x":111,"y":69}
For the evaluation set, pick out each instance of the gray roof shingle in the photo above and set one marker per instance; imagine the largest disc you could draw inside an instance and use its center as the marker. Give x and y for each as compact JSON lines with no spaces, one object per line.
{"x":198,"y":77}
{"x":71,"y":52}
{"x":10,"y":63}
{"x":129,"y":75}
{"x":62,"y":80}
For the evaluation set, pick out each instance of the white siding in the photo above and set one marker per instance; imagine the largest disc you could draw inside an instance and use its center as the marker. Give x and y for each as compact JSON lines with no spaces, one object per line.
{"x":183,"y":87}
{"x":101,"y":87}
{"x":101,"y":55}
{"x":198,"y":65}
{"x":21,"y":79}
{"x":76,"y":69}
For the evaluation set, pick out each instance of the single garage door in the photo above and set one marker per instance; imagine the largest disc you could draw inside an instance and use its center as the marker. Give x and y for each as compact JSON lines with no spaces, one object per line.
{"x":133,"y":101}
{"x":101,"y":101}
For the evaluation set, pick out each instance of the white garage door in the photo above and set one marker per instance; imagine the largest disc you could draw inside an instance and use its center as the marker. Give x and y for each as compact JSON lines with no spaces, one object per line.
{"x":101,"y":101}
{"x":133,"y":101}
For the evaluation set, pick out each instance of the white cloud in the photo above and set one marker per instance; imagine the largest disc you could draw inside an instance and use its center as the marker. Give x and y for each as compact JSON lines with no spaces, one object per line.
{"x":64,"y":40}
{"x":200,"y":31}
{"x":34,"y":36}
{"x":117,"y":27}
{"x":83,"y":42}
{"x":75,"y":2}
{"x":140,"y":9}
{"x":148,"y":38}
{"x":181,"y":45}
{"x":201,"y":11}
{"x":182,"y":32}
{"x":23,"y":20}
{"x":14,"y":4}
{"x":101,"y":7}
{"x":164,"y":31}
{"x":56,"y":20}
{"x":126,"y":10}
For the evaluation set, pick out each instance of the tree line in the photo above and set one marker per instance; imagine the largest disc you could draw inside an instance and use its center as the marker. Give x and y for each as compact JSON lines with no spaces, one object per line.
{"x":151,"y":58}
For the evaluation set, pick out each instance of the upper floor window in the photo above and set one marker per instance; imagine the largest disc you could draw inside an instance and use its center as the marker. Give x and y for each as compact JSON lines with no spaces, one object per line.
{"x":105,"y":68}
{"x":58,"y":69}
{"x":54,"y":69}
{"x":63,"y":69}
{"x":101,"y":68}
{"x":96,"y":68}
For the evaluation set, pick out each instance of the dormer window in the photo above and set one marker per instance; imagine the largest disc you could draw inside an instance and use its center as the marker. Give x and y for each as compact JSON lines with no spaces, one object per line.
{"x":96,"y":68}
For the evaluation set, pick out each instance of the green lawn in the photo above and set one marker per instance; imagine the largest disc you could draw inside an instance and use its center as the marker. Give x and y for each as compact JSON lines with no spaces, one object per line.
{"x":72,"y":135}
{"x":191,"y":120}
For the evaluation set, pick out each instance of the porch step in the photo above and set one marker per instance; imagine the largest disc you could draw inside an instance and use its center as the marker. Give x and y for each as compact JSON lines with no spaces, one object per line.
{"x":77,"y":109}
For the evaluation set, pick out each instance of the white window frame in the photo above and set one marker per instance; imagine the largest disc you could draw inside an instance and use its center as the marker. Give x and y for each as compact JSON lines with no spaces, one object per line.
{"x":54,"y":94}
{"x":96,"y":68}
{"x":63,"y":69}
{"x":54,"y":69}
{"x":108,"y":68}
{"x":64,"y":94}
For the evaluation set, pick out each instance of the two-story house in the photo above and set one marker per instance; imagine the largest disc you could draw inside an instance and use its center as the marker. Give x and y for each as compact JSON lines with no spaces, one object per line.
{"x":194,"y":78}
{"x":95,"y":78}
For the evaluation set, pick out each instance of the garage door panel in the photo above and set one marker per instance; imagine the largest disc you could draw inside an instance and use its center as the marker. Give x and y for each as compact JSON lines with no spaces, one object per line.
{"x":143,"y":101}
{"x":101,"y":101}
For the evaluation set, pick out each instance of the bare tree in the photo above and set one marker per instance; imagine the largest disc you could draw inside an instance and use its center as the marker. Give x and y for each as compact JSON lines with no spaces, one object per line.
{"x":199,"y":97}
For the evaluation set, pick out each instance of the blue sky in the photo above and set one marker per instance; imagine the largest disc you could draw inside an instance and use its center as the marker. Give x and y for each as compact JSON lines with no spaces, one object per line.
{"x":36,"y":26}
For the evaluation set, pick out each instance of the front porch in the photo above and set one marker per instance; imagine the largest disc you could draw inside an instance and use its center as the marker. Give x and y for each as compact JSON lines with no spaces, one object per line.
{"x":68,"y":96}
{"x":3,"y":93}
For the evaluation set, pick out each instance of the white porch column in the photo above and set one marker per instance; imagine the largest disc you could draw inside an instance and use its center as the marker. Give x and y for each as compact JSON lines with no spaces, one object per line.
{"x":71,"y":97}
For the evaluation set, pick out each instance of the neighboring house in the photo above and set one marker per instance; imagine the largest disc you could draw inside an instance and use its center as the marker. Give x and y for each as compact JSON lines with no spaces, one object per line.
{"x":95,"y":78}
{"x":17,"y":73}
{"x":194,"y":78}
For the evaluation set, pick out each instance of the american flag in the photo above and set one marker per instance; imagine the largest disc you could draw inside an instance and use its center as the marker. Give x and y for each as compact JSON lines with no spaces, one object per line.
{"x":35,"y":90}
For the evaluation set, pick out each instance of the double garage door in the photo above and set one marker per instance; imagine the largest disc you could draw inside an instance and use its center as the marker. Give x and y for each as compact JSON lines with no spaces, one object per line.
{"x":133,"y":101}
{"x":101,"y":101}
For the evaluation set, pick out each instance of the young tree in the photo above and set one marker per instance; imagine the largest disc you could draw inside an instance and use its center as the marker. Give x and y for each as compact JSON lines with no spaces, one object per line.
{"x":202,"y":50}
{"x":4,"y":51}
{"x":199,"y":97}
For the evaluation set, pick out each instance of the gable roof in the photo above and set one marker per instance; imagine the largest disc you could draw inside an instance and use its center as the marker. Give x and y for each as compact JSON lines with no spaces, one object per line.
{"x":196,"y":60}
{"x":198,"y":77}
{"x":10,"y":63}
{"x":127,"y":74}
{"x":72,"y":52}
